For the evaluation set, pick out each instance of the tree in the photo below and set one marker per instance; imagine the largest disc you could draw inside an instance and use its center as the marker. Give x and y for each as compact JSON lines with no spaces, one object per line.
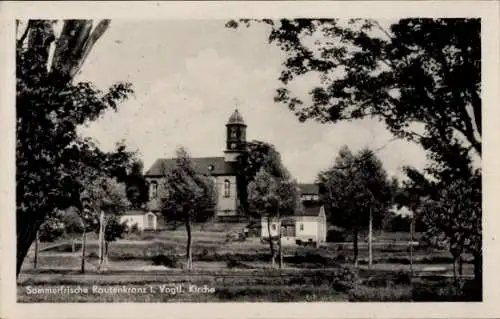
{"x":421,"y":76}
{"x":450,"y":208}
{"x":50,"y":106}
{"x":354,"y":188}
{"x":113,"y":230}
{"x":185,"y":194}
{"x":289,"y":203}
{"x":137,"y":187}
{"x":107,"y":198}
{"x":90,"y":222}
{"x":51,"y":229}
{"x":73,"y":224}
{"x":263,"y":199}
{"x":271,"y":197}
{"x":257,"y":155}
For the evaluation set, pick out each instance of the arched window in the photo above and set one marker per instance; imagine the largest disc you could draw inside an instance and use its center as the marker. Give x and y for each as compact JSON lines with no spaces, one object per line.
{"x":227,"y":188}
{"x":234,"y":132}
{"x":153,"y":190}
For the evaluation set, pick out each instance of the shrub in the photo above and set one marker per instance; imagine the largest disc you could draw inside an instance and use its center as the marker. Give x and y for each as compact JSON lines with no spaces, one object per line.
{"x":462,"y":290}
{"x":134,"y":229}
{"x":265,"y":240}
{"x":51,"y":230}
{"x":335,"y":235}
{"x":149,"y":236}
{"x":340,"y":258}
{"x":237,"y":264}
{"x":402,"y":278}
{"x":167,"y":261}
{"x":344,"y":279}
{"x":387,"y":279}
{"x":437,"y":260}
{"x":365,"y":293}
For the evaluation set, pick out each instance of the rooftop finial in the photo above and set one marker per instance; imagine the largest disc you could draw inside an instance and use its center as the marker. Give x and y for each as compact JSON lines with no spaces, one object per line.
{"x":236,"y":103}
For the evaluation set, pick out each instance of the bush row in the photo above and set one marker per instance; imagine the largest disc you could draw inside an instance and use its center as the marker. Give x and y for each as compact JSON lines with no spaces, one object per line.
{"x":426,"y":291}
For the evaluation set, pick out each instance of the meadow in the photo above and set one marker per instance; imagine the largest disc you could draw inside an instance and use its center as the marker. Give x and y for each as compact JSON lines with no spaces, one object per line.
{"x":241,"y":271}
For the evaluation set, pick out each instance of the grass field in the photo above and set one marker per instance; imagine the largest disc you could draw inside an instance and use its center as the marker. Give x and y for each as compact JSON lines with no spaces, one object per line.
{"x":238,"y":271}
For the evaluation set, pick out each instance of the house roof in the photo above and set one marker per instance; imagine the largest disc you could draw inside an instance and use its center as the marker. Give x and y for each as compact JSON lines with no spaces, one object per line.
{"x":309,"y":211}
{"x":309,"y":189}
{"x":203,"y":165}
{"x":135,"y":212}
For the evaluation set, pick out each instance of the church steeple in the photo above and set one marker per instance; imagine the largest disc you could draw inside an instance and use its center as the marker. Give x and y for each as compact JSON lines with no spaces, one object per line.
{"x":235,"y":136}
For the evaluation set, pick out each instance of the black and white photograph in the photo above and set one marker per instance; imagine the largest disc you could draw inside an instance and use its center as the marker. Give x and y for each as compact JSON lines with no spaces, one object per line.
{"x":252,"y":159}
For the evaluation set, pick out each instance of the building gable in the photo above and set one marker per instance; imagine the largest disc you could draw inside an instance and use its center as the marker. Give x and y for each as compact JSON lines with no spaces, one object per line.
{"x":309,"y":189}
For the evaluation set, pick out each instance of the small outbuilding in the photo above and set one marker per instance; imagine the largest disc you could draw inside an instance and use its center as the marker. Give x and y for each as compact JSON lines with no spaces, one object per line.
{"x":306,"y":227}
{"x":145,"y":220}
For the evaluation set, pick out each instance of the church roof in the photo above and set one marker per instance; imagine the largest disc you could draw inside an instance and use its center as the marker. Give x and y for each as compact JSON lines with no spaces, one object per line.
{"x":135,"y":212}
{"x":236,"y":118}
{"x":309,"y":189}
{"x":202,"y":164}
{"x":310,"y":211}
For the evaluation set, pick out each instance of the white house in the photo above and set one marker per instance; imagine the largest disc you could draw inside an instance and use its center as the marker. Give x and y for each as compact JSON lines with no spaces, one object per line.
{"x":308,"y":226}
{"x":145,"y":220}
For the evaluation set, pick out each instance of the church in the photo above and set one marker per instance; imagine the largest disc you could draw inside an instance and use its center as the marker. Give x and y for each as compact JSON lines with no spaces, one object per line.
{"x":222,"y":169}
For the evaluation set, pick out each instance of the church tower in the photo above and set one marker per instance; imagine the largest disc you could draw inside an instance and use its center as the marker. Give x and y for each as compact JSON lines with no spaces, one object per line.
{"x":235,"y":137}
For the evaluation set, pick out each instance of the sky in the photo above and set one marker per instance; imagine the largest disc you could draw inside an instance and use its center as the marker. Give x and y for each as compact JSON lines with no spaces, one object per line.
{"x":190,"y":75}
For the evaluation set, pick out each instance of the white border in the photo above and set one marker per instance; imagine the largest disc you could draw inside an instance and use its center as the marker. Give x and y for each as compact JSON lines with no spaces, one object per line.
{"x":487,"y":10}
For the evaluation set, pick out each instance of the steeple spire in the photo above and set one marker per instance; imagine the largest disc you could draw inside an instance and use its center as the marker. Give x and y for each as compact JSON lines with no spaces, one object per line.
{"x":235,"y":136}
{"x":236,"y":118}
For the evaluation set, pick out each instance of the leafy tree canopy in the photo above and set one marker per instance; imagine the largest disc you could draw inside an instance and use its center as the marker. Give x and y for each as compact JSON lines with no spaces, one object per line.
{"x":258,"y":155}
{"x":354,"y":185}
{"x":422,"y":77}
{"x":186,"y":193}
{"x":52,"y":160}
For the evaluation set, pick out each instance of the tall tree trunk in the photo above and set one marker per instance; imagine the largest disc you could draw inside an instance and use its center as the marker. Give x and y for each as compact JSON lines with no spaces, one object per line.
{"x":355,"y":246}
{"x":460,"y":265}
{"x":189,"y":242}
{"x":37,"y":241}
{"x":280,"y":247}
{"x":27,"y":226}
{"x":84,"y":237}
{"x":271,"y":246}
{"x":454,"y":268}
{"x":101,"y":238}
{"x":106,"y":249}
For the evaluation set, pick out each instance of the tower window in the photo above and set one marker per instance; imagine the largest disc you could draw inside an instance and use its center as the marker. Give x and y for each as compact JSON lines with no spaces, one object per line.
{"x":227,"y":188}
{"x":153,"y":190}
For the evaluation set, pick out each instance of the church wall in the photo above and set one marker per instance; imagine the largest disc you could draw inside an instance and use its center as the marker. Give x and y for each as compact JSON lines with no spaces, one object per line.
{"x":226,"y":205}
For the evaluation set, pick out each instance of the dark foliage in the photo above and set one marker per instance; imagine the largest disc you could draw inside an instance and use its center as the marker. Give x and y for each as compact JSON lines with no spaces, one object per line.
{"x":170,"y":261}
{"x":51,"y":159}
